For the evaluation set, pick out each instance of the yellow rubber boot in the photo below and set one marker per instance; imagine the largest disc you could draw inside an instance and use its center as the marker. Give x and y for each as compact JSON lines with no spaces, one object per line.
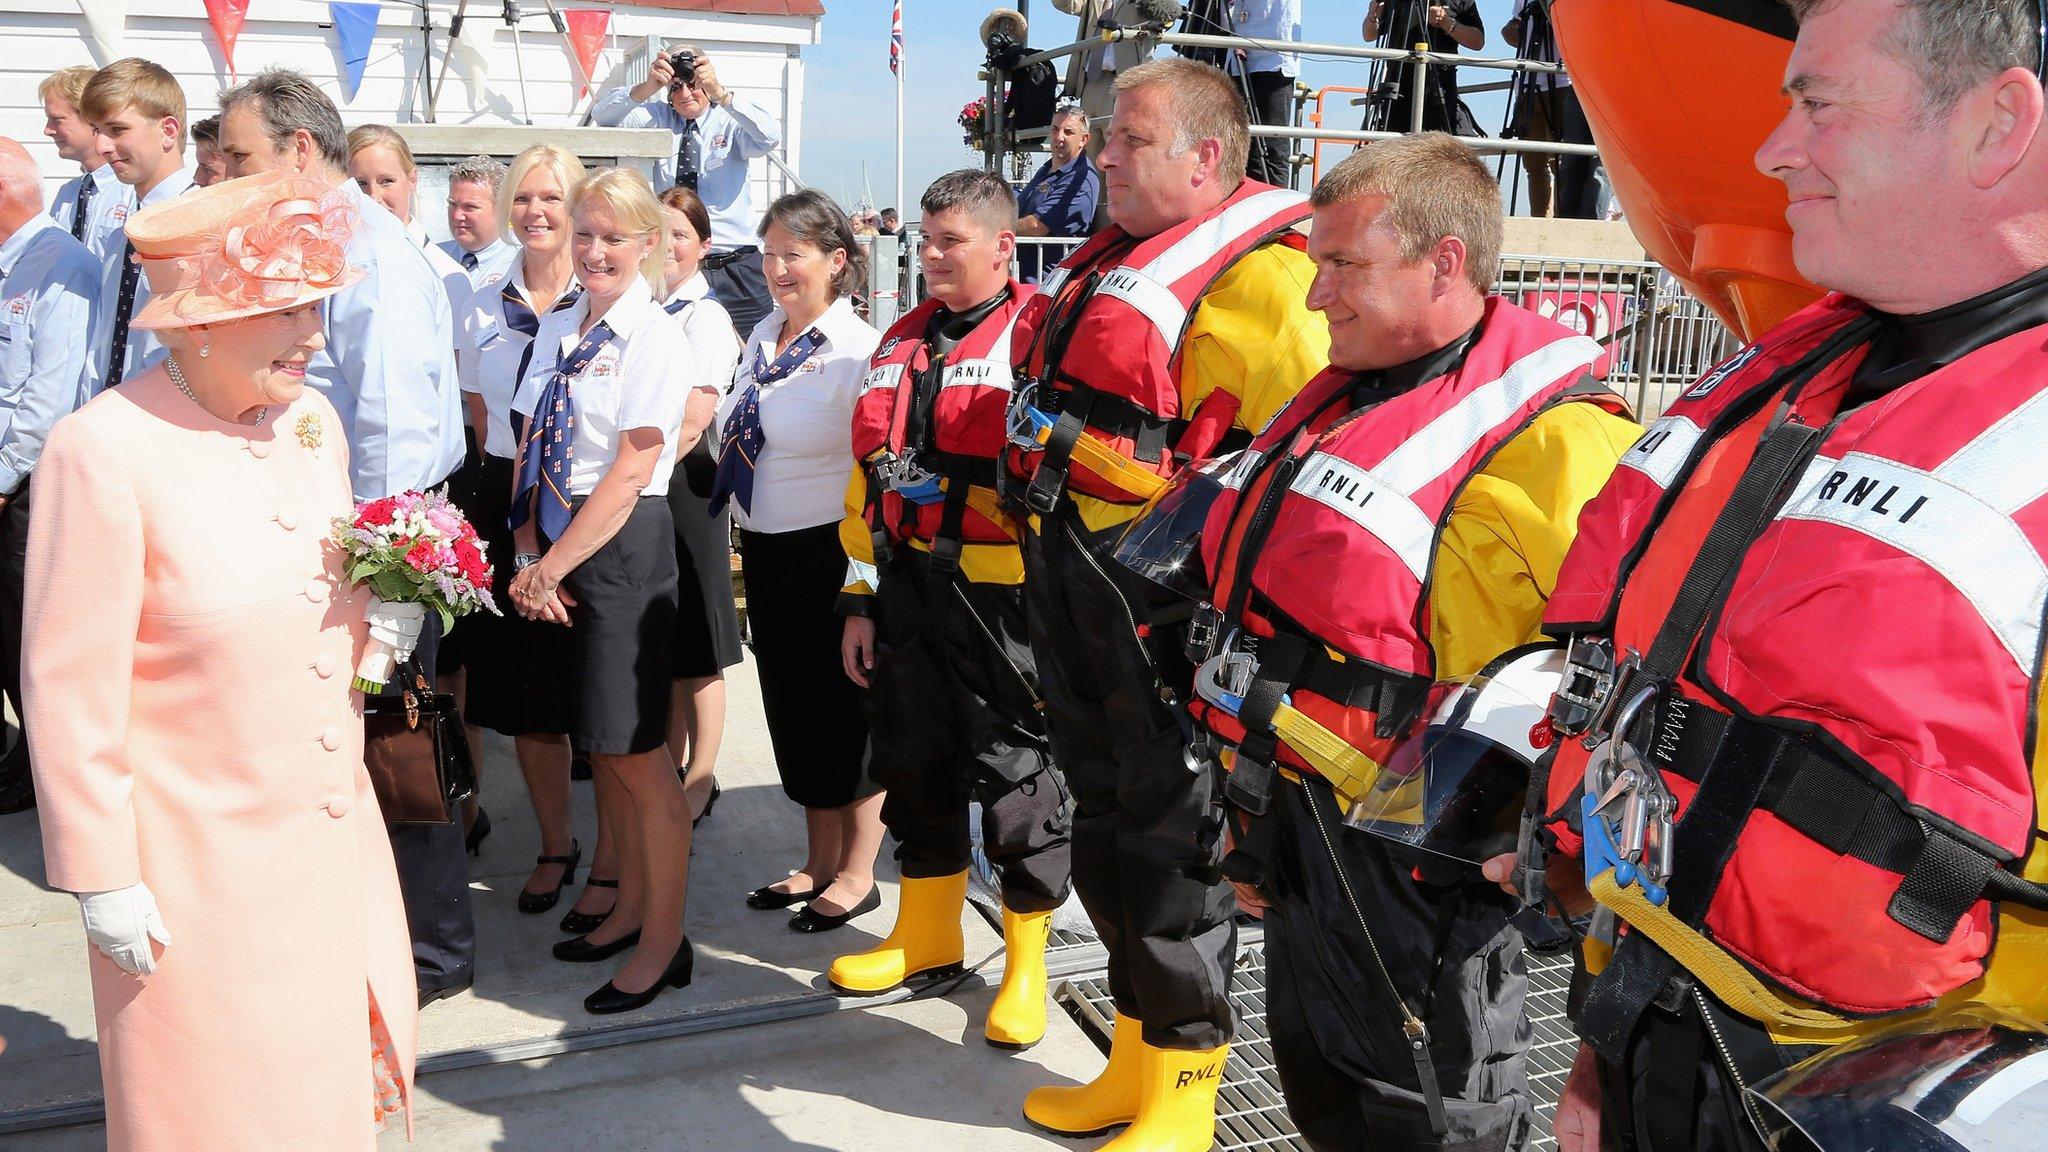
{"x":925,"y":941}
{"x":1102,"y":1103}
{"x":1176,"y":1102}
{"x":1016,"y":1020}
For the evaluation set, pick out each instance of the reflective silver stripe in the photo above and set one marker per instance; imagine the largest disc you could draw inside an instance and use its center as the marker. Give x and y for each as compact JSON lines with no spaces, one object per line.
{"x":978,"y":374}
{"x":1438,"y":446}
{"x":2002,"y":465}
{"x":1211,"y":236}
{"x":1663,"y":449}
{"x":1154,"y":300}
{"x":1051,"y":281}
{"x":1369,"y":503}
{"x":1973,"y":545}
{"x":861,"y":573}
{"x":887,"y":376}
{"x":1000,"y":350}
{"x":1240,"y":469}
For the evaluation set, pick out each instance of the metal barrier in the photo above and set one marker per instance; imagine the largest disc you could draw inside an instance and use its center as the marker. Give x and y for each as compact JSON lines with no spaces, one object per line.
{"x":1659,"y":337}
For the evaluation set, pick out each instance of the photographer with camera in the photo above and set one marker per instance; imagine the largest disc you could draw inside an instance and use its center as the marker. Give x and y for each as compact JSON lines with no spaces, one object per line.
{"x":717,"y":136}
{"x":1445,"y":27}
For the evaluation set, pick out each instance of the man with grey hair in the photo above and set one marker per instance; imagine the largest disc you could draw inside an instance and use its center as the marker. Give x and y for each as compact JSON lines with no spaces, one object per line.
{"x":1062,"y":196}
{"x":1830,"y":550}
{"x":475,"y":240}
{"x":388,"y":367}
{"x":49,"y":284}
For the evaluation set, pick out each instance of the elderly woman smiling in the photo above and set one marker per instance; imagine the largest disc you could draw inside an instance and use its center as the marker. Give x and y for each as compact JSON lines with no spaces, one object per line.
{"x":198,"y":749}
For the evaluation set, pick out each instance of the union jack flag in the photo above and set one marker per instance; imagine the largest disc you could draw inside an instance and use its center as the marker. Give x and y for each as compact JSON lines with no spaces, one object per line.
{"x":896,"y":38}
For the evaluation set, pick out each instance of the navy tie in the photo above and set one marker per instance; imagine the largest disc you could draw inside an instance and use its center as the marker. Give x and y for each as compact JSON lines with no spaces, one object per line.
{"x":742,"y":439}
{"x":687,"y":160}
{"x":551,"y":446}
{"x":469,"y":261}
{"x":86,"y":187}
{"x":117,"y":354}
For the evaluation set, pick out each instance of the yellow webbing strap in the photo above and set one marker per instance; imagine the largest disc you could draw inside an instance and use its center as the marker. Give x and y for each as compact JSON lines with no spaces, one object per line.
{"x":1349,"y":772}
{"x":1790,"y":1020}
{"x":1105,"y":462}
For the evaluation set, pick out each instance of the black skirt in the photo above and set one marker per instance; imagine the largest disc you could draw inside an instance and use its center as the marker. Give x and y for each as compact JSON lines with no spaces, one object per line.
{"x":707,"y":624}
{"x":513,"y":664}
{"x":814,"y":716}
{"x":623,"y":638}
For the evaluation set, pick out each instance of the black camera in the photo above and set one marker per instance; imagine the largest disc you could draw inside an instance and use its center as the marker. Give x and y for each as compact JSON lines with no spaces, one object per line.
{"x":685,"y":65}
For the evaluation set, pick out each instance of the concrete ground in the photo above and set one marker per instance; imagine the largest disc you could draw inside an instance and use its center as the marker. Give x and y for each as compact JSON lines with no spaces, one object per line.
{"x":911,"y":1075}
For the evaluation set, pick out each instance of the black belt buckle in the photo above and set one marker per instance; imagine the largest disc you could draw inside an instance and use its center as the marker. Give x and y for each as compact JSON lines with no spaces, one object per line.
{"x":1042,"y":495}
{"x":1205,"y":627}
{"x":1590,"y":673}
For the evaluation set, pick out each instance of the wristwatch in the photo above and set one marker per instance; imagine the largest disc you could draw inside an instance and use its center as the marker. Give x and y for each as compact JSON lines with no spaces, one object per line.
{"x":524,"y":560}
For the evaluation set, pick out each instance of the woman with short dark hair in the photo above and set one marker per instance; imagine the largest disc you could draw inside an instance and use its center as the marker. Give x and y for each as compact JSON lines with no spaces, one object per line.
{"x":785,"y":451}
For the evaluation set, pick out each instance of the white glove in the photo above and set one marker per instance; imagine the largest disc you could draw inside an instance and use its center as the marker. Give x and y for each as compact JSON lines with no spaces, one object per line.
{"x":121,"y":923}
{"x":397,"y":626}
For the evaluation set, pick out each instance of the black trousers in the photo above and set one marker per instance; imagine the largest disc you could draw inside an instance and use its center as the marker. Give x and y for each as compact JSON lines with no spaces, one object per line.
{"x":1338,"y":1043}
{"x":952,"y":720}
{"x":433,"y":878}
{"x":740,"y":285}
{"x":1577,"y":192}
{"x":13,"y":567}
{"x":1271,"y":94}
{"x":1147,"y":830}
{"x":1672,"y":1092}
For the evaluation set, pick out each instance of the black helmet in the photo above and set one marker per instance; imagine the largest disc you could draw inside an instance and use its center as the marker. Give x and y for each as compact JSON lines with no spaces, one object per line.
{"x":1975,"y":1080}
{"x":1164,"y":543}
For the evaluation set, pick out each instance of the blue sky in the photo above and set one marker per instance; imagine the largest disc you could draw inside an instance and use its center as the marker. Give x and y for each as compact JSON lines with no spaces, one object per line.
{"x":850,"y":109}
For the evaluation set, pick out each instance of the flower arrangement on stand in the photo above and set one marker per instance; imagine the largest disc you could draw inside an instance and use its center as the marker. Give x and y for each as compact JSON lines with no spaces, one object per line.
{"x":973,"y":120}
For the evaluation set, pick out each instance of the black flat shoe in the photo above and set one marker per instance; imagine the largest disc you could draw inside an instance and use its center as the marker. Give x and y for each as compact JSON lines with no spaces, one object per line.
{"x":584,"y":923}
{"x":767,"y":899}
{"x":579,"y":949}
{"x":708,"y":805}
{"x":473,"y":841}
{"x":609,"y":999}
{"x":429,"y":995}
{"x":534,"y":903}
{"x":809,"y":919}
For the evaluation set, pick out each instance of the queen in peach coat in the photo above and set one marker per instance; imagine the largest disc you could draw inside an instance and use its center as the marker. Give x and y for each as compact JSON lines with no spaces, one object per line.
{"x":190,"y":640}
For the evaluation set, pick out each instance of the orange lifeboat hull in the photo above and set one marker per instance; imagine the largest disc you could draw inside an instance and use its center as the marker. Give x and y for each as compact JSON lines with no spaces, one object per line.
{"x":1680,"y":94}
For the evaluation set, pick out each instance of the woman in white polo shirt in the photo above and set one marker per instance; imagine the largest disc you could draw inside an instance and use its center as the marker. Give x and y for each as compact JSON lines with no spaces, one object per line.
{"x":786,"y":447}
{"x":603,"y":399}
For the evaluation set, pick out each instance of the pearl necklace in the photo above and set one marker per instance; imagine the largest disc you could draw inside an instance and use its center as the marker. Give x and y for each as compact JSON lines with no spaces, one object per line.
{"x":178,"y":378}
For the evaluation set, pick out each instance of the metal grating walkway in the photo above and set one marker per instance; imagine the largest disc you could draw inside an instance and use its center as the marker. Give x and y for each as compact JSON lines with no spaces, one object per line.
{"x":1250,"y":1114}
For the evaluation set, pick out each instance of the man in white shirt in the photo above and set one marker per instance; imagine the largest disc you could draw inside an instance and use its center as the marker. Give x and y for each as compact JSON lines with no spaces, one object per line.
{"x":717,"y":136}
{"x":1268,"y":79}
{"x":137,"y":113}
{"x":389,"y":370}
{"x":473,"y":221}
{"x":82,"y":205}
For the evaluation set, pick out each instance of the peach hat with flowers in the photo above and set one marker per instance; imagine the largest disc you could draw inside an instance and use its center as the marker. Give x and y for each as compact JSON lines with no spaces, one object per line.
{"x":241,"y":248}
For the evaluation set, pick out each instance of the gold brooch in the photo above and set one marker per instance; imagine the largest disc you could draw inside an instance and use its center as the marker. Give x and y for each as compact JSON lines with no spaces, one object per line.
{"x":308,"y":431}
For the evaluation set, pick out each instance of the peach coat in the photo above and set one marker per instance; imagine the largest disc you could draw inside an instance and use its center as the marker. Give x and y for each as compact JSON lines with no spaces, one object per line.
{"x":189,"y":644}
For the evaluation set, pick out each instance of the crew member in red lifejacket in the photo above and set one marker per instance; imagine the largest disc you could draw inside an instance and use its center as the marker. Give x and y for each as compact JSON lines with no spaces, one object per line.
{"x":1801,"y":760}
{"x":1397,"y":526}
{"x":1182,"y":324}
{"x":935,"y":617}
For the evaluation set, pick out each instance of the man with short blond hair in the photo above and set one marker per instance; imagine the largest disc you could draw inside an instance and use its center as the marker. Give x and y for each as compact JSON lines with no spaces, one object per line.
{"x":137,"y":113}
{"x":85,"y":202}
{"x":1180,"y":325}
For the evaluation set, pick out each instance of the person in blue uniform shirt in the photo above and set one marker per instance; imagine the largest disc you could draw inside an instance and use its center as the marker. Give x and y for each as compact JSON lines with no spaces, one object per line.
{"x":389,"y":370}
{"x":1061,"y":198}
{"x":137,"y":113}
{"x":717,"y":136}
{"x":48,"y":284}
{"x":475,"y":241}
{"x":82,"y":206}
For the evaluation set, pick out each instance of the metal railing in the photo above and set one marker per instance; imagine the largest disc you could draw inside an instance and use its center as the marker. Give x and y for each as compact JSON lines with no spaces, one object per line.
{"x":1659,"y":337}
{"x":999,"y":143}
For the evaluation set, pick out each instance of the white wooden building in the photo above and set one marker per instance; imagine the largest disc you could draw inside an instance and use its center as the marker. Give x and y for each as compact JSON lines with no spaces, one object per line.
{"x":757,"y":44}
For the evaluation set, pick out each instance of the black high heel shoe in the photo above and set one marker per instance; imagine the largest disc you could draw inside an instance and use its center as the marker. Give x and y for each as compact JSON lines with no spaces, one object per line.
{"x":473,"y":841}
{"x":579,"y":949}
{"x":534,"y":903}
{"x":767,"y":899}
{"x":609,"y":999}
{"x":709,"y":804}
{"x":584,"y":923}
{"x":809,"y":919}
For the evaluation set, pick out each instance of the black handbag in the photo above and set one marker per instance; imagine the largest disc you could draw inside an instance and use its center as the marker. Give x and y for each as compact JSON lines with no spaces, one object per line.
{"x":415,"y":752}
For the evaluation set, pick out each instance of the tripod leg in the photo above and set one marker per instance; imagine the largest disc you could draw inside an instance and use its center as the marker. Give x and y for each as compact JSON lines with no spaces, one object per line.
{"x":447,"y":56}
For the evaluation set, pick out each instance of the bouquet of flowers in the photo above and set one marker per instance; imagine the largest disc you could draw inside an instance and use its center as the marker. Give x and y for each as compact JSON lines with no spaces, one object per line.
{"x":970,"y":119}
{"x":416,"y":551}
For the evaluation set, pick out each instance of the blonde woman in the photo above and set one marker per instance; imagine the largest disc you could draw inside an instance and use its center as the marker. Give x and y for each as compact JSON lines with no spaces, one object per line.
{"x":380,"y":162}
{"x":512,"y":662}
{"x":597,"y":549}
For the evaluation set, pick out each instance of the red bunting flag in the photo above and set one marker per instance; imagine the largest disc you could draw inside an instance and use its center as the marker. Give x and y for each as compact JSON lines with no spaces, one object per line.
{"x":586,"y":37}
{"x":226,"y":18}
